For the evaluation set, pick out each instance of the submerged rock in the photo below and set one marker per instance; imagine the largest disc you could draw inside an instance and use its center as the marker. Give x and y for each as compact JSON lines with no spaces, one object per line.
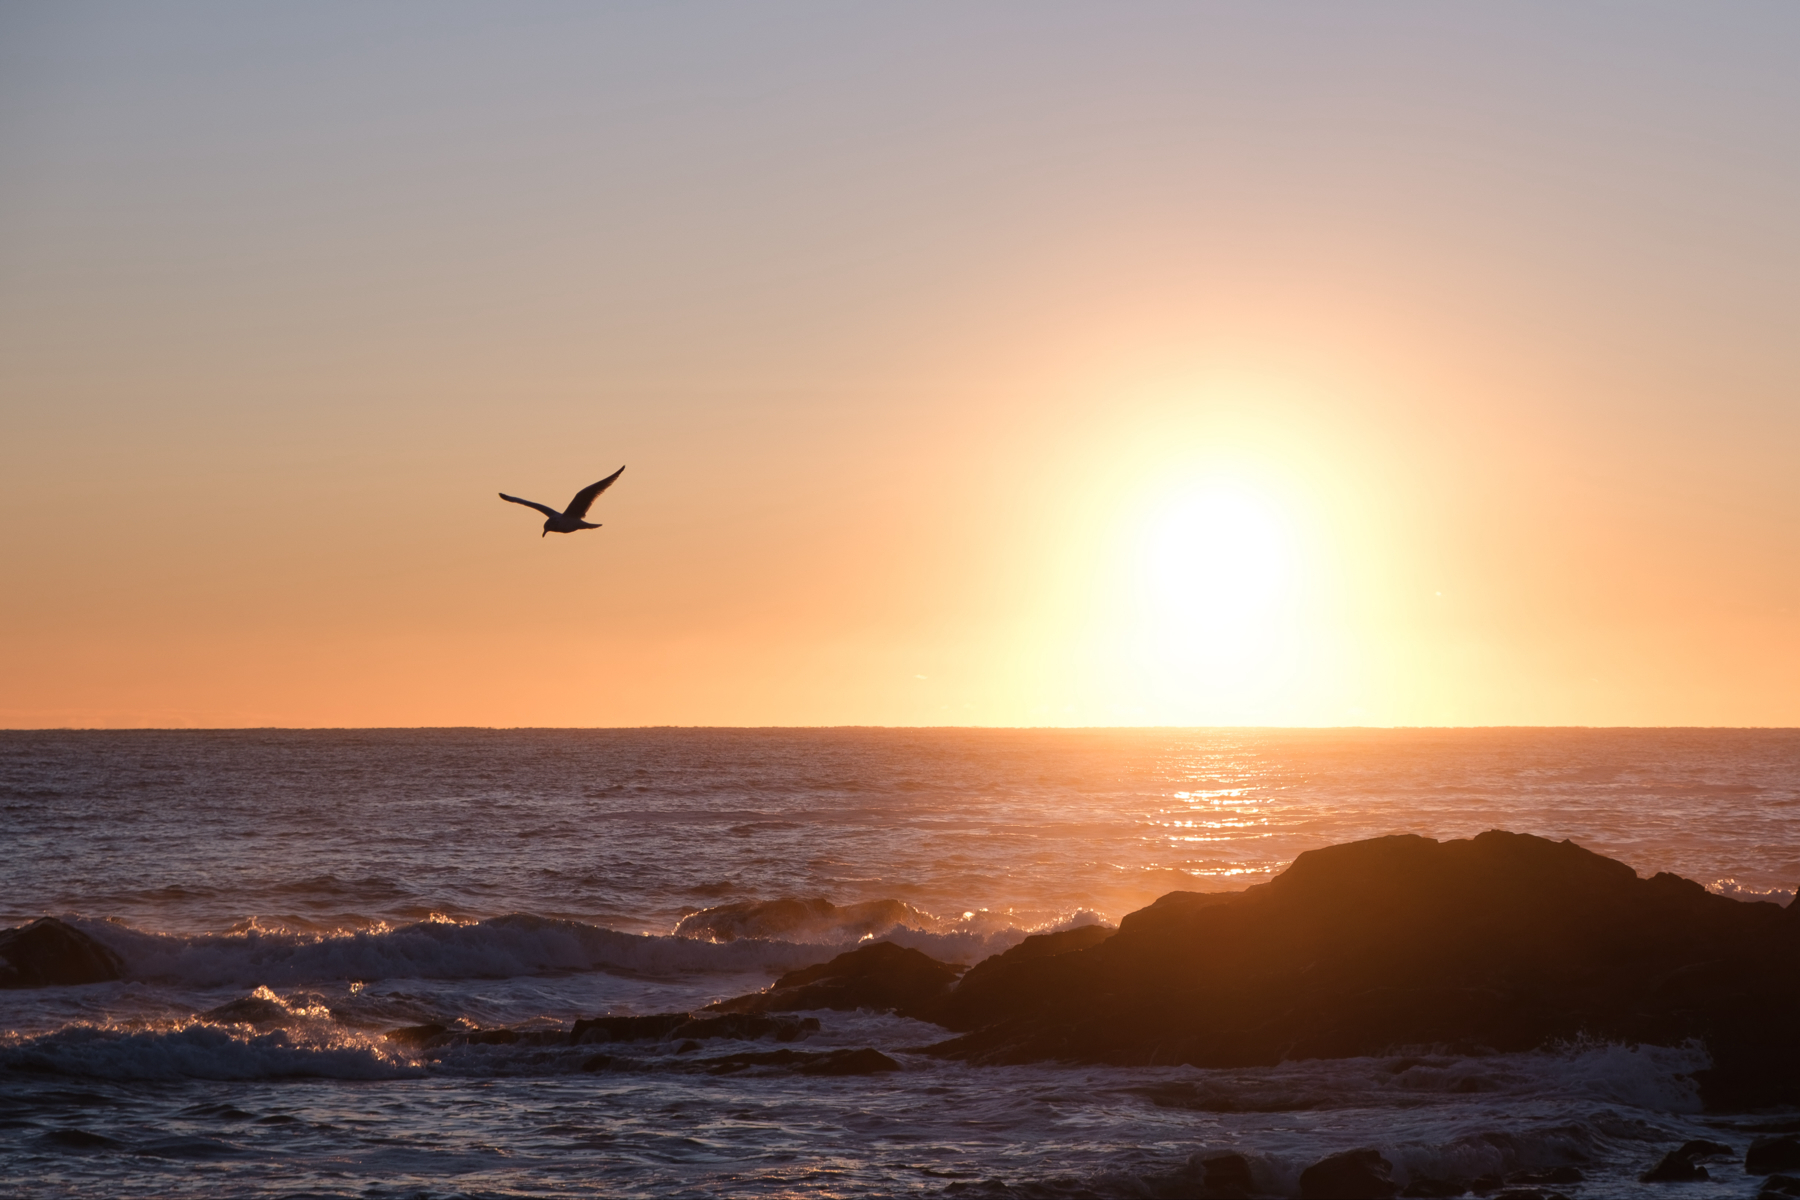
{"x":53,"y":953}
{"x":880,"y":976}
{"x":1503,"y":942}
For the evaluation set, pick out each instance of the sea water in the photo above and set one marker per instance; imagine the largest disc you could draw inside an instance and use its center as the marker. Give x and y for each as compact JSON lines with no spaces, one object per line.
{"x":283,"y":899}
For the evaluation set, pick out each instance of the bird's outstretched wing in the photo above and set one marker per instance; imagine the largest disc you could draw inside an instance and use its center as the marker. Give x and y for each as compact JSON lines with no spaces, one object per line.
{"x":543,"y":508}
{"x":585,"y":497}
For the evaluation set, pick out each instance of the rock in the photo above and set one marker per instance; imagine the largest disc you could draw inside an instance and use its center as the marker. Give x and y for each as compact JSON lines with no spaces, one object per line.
{"x":627,"y":1029}
{"x":1352,"y":1175}
{"x":881,"y":976}
{"x":251,"y":1010}
{"x":1674,"y":1169}
{"x":1767,"y":1155}
{"x":1779,"y":1185}
{"x":790,"y":917}
{"x":684,"y":1028}
{"x":984,"y":992}
{"x":52,"y":953}
{"x":747,"y":1027}
{"x":1503,"y":942}
{"x":1224,"y":1176}
{"x":800,"y":1062}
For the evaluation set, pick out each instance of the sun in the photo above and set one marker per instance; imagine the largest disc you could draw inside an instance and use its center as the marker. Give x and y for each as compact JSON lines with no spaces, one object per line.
{"x":1214,"y":589}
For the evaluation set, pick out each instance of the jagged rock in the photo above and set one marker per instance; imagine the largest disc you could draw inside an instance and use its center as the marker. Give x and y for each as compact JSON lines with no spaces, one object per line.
{"x":880,"y":976}
{"x":1501,"y":942}
{"x":52,"y":953}
{"x":1767,"y":1155}
{"x":1352,"y":1175}
{"x":1779,"y":1185}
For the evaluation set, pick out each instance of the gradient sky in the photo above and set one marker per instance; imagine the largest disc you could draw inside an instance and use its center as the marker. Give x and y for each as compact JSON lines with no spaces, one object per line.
{"x":1005,"y":363}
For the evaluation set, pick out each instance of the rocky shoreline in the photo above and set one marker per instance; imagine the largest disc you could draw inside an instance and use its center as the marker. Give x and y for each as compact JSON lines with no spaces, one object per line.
{"x":1392,"y":946}
{"x":1504,"y":942}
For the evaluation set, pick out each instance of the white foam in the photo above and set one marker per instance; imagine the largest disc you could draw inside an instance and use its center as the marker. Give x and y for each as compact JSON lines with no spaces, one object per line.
{"x":1731,"y":889}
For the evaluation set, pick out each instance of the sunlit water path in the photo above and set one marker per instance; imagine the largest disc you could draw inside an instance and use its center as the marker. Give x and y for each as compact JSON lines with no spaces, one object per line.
{"x":373,"y":879}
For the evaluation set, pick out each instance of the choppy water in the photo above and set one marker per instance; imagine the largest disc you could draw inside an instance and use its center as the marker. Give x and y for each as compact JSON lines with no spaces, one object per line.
{"x":373,"y":879}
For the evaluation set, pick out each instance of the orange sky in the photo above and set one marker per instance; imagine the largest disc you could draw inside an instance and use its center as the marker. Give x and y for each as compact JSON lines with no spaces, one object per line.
{"x":1029,"y":364}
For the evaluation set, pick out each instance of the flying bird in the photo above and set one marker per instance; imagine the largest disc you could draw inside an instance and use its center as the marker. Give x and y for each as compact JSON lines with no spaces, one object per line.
{"x":570,"y":518}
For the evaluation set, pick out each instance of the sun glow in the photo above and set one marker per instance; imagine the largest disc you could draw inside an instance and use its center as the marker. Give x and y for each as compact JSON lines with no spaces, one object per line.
{"x":1208,"y":619}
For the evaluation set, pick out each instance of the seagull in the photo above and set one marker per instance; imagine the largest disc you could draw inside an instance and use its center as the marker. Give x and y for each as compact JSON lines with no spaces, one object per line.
{"x":570,"y":518}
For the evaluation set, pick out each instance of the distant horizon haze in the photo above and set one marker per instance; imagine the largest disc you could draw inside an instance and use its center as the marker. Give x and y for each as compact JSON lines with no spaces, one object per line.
{"x":1025,"y":365}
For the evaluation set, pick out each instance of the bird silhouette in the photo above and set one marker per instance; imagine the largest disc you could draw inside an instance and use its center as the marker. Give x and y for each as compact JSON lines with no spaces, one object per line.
{"x":570,"y":518}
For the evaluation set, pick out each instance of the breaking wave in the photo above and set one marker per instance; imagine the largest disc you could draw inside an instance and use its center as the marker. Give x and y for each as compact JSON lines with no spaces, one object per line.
{"x":519,"y":944}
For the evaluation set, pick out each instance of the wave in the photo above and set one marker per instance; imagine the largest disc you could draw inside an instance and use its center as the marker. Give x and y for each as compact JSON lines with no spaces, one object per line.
{"x":506,"y":947}
{"x":204,"y":1051}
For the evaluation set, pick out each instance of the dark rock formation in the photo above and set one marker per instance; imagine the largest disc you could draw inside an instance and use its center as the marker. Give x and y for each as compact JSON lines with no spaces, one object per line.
{"x":1767,"y":1155}
{"x":1352,"y":1175}
{"x":984,"y":992}
{"x":881,"y":976}
{"x":789,"y":917}
{"x":1504,"y":942}
{"x":1779,"y":1185}
{"x":1683,"y":1165}
{"x":51,"y":953}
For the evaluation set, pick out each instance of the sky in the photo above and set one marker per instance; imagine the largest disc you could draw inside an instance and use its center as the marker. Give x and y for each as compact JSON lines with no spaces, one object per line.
{"x":993,"y":364}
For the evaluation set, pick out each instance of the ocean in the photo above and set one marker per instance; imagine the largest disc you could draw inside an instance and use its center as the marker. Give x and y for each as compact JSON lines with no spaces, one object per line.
{"x":282,"y":899}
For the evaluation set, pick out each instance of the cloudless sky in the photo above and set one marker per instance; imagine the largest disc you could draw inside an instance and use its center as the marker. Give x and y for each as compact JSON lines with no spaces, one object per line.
{"x":1005,"y":363}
